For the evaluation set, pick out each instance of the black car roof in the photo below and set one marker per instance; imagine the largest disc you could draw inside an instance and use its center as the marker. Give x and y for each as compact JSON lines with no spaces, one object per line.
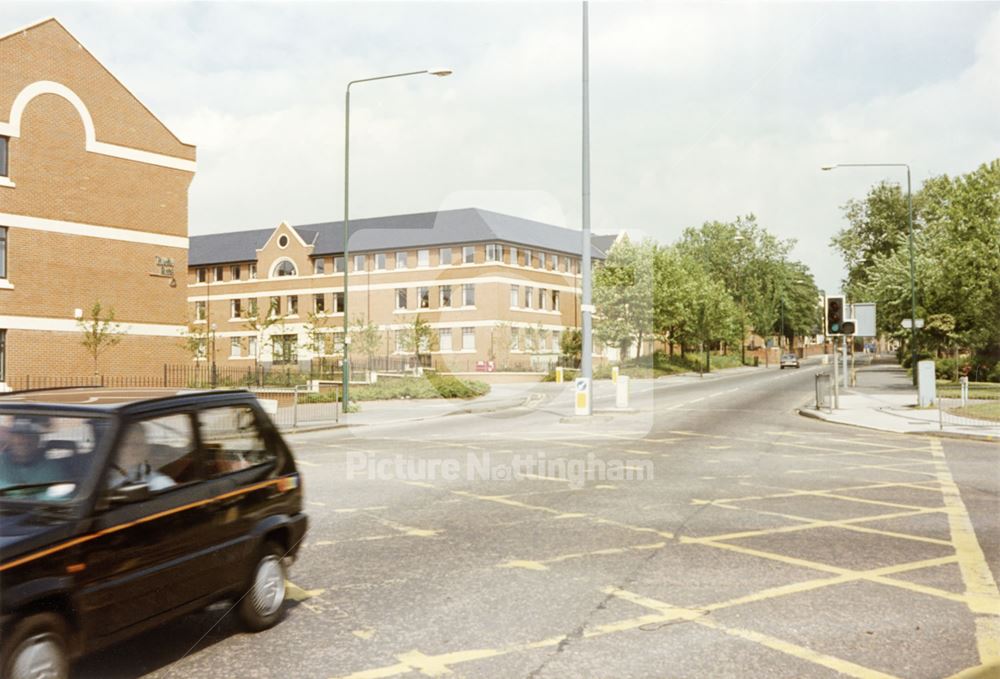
{"x":111,"y":400}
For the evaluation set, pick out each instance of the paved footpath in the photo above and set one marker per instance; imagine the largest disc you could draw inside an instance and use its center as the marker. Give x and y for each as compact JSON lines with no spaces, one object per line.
{"x":736,"y":539}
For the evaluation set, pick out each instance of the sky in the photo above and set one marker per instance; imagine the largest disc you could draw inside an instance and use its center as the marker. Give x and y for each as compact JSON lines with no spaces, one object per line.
{"x":699,"y":111}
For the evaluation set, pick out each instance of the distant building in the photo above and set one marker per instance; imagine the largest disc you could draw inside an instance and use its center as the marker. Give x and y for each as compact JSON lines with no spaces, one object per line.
{"x":492,"y":287}
{"x":93,"y":207}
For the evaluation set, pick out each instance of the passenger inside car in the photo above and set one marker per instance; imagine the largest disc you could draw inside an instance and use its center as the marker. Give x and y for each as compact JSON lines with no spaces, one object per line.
{"x":133,"y":463}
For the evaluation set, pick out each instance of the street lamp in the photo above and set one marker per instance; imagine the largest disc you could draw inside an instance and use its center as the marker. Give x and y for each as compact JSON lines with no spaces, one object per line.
{"x":439,"y":72}
{"x":913,"y":268}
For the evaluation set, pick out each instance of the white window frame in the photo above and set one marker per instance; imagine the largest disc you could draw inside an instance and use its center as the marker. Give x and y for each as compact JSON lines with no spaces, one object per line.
{"x":441,"y":296}
{"x":445,"y":261}
{"x":424,"y":297}
{"x":235,"y":348}
{"x":400,"y":294}
{"x":468,"y":253}
{"x":468,"y":288}
{"x":515,"y":296}
{"x":319,"y":266}
{"x":423,"y":258}
{"x":467,"y":333}
{"x":364,"y":263}
{"x":444,"y":339}
{"x":380,"y":261}
{"x":401,"y":259}
{"x":513,"y":255}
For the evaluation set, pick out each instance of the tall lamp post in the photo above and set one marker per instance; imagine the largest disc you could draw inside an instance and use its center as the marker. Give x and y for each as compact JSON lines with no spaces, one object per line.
{"x":913,"y":267}
{"x":440,"y":72}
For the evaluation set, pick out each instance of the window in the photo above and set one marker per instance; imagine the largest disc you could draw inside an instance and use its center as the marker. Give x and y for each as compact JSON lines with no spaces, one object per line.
{"x":555,"y":340}
{"x":400,"y":298}
{"x":285,"y":268}
{"x":252,"y":306}
{"x":494,"y":252}
{"x":4,"y":146}
{"x":423,"y":257}
{"x":3,"y":355}
{"x":400,"y":260}
{"x":234,"y":272}
{"x":319,"y":266}
{"x":541,"y":298}
{"x":444,"y":339}
{"x":293,"y":304}
{"x":469,"y":294}
{"x":338,"y":265}
{"x":555,"y":262}
{"x":515,"y":295}
{"x":235,"y":308}
{"x":319,"y":303}
{"x":275,"y":308}
{"x":541,"y":260}
{"x":528,"y":291}
{"x":380,"y":261}
{"x":199,"y":311}
{"x":423,"y":298}
{"x":555,"y":300}
{"x":445,"y":292}
{"x":232,"y":440}
{"x":400,"y":341}
{"x":235,"y":348}
{"x":468,"y":254}
{"x":282,"y":241}
{"x":469,"y":338}
{"x":565,"y":264}
{"x":218,"y":274}
{"x":284,"y":349}
{"x":252,"y":269}
{"x":3,"y":252}
{"x":202,"y":275}
{"x":359,"y":262}
{"x":527,"y":257}
{"x":159,"y":452}
{"x":338,"y":302}
{"x":444,"y":257}
{"x":252,"y":347}
{"x":513,"y":256}
{"x":515,"y":339}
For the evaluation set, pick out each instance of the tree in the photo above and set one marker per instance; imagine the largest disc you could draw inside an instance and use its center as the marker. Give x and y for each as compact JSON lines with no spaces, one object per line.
{"x":100,"y":332}
{"x":196,"y":340}
{"x":365,"y":338}
{"x":501,"y":339}
{"x":260,"y":323}
{"x":417,"y":337}
{"x":571,"y":346}
{"x":715,"y":316}
{"x":317,"y":333}
{"x":623,"y":295}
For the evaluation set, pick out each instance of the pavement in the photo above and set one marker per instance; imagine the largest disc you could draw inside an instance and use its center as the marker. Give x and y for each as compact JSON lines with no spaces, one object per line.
{"x":709,"y":531}
{"x":885,"y":399}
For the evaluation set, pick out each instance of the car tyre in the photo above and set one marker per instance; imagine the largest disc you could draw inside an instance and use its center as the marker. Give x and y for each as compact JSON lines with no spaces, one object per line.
{"x":37,"y":647}
{"x":262,"y":606}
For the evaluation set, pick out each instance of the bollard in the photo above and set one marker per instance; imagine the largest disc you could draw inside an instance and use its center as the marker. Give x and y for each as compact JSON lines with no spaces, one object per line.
{"x":964,"y":382}
{"x":614,"y":373}
{"x":621,"y":392}
{"x":583,"y":397}
{"x":559,"y":374}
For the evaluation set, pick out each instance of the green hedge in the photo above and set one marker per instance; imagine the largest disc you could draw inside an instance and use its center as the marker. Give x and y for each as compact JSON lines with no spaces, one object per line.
{"x":430,"y":386}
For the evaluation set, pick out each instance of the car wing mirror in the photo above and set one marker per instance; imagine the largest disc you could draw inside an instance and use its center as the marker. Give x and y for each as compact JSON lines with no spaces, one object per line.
{"x":130,"y":492}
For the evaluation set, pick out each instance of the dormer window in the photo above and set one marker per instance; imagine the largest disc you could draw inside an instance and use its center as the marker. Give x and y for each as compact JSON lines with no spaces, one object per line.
{"x":284,"y":268}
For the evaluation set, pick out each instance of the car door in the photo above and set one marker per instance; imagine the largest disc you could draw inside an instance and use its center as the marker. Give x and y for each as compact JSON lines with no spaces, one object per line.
{"x":145,"y":555}
{"x":240,"y":465}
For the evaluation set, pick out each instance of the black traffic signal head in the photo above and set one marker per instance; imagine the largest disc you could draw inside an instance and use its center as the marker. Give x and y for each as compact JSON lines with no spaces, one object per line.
{"x":834,"y":315}
{"x":847,"y":327}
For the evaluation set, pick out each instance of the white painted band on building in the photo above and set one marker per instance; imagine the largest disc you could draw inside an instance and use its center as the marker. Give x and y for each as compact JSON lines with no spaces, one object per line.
{"x":91,"y":230}
{"x":531,"y":283}
{"x":13,"y":128}
{"x":46,"y":324}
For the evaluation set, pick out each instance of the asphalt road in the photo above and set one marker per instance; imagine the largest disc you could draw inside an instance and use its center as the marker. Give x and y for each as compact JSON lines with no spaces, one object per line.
{"x":726,"y":536}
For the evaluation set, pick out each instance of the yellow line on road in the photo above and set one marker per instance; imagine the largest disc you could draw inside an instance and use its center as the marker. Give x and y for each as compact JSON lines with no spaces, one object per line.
{"x":980,"y":588}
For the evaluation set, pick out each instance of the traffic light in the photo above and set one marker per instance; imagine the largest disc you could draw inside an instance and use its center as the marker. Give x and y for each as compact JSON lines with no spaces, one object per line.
{"x":847,"y":327}
{"x":835,"y":315}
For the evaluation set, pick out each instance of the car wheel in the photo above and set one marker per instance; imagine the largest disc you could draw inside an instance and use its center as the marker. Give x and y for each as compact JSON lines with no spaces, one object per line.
{"x":263,"y":605}
{"x":37,"y":649}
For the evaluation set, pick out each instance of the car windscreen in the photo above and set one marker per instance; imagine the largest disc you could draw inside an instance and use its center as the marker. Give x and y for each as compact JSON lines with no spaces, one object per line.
{"x":47,"y":457}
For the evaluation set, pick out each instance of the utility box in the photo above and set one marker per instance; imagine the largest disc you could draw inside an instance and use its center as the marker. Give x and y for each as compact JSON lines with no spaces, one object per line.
{"x":824,"y":391}
{"x":926,"y":384}
{"x":621,"y":392}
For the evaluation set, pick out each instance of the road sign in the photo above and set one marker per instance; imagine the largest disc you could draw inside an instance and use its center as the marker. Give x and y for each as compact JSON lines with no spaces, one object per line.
{"x":582,"y":396}
{"x":864,"y":319}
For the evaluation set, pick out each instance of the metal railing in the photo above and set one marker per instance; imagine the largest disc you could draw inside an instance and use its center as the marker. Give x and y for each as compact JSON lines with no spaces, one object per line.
{"x":966,"y":404}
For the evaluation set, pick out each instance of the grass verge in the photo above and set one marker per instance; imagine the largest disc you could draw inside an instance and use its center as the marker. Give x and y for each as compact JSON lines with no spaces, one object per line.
{"x":429,"y":386}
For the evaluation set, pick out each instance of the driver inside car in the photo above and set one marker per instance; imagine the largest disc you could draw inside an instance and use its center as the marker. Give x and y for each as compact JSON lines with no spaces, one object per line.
{"x":22,"y":457}
{"x":132,"y":465}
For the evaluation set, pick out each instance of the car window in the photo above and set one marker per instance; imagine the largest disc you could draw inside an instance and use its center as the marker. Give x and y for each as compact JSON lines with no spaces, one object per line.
{"x":232,"y":439}
{"x":47,"y":457}
{"x":158,"y":451}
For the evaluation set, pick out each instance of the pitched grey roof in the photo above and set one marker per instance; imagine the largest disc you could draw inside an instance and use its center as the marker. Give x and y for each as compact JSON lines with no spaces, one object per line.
{"x":603,"y":242}
{"x":426,"y":229}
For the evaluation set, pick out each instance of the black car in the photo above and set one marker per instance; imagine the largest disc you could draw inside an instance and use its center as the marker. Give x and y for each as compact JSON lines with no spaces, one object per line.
{"x":120,"y":510}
